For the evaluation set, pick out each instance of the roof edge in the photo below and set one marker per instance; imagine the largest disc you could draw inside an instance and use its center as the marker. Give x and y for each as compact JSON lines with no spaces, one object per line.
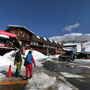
{"x":19,"y":26}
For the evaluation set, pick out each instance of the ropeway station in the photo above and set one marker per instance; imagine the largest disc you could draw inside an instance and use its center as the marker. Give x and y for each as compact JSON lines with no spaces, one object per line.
{"x":75,"y":47}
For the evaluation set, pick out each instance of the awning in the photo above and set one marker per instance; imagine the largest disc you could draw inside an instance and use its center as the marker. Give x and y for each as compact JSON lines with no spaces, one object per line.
{"x":5,"y":48}
{"x":4,"y":36}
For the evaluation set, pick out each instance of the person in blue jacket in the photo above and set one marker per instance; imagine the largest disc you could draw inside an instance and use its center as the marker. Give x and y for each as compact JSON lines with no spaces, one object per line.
{"x":29,"y":61}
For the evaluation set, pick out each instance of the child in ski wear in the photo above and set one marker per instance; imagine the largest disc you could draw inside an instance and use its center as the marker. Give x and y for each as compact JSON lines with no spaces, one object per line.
{"x":29,"y":61}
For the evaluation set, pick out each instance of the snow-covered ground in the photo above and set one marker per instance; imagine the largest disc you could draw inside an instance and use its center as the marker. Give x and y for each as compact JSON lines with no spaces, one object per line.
{"x":7,"y":60}
{"x":41,"y":80}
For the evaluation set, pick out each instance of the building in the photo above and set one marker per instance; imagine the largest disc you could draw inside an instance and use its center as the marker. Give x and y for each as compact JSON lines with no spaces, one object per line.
{"x":6,"y":44}
{"x":75,"y":47}
{"x":24,"y":35}
{"x":38,"y":44}
{"x":28,"y":40}
{"x":45,"y":45}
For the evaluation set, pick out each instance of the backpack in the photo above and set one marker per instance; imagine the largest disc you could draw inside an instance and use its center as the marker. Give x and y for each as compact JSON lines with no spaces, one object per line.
{"x":18,"y":57}
{"x":28,"y":58}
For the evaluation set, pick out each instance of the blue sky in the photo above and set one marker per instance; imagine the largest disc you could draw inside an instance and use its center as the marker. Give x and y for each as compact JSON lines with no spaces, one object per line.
{"x":47,"y":18}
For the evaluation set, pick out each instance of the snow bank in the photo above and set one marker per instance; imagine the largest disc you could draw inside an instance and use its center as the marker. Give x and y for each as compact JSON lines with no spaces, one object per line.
{"x":9,"y":53}
{"x":53,"y":56}
{"x":7,"y":59}
{"x":41,"y":81}
{"x":36,"y":54}
{"x":4,"y":61}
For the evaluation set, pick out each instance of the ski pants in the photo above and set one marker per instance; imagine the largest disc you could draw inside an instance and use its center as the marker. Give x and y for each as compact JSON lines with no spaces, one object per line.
{"x":28,"y":70}
{"x":18,"y":65}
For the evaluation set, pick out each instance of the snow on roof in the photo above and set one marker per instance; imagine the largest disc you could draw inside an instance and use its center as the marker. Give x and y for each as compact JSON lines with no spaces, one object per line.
{"x":59,"y":42}
{"x":38,"y":37}
{"x":71,"y":44}
{"x":19,"y":26}
{"x":55,"y":42}
{"x":4,"y":36}
{"x":50,"y":40}
{"x":66,"y":49}
{"x":45,"y":39}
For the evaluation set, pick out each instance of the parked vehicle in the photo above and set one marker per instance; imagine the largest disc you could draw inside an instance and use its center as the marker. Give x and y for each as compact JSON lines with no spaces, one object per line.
{"x":83,"y":55}
{"x":68,"y":56}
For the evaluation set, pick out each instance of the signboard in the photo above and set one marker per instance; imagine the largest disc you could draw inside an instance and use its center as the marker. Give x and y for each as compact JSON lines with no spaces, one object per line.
{"x":2,"y":45}
{"x":8,"y":34}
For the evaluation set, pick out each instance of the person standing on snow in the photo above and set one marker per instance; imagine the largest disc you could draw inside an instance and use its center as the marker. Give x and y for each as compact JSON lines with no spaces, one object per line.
{"x":29,"y":61}
{"x":18,"y":62}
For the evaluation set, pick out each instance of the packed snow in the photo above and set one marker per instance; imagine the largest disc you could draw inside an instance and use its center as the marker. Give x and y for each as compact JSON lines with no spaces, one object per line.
{"x":41,"y":81}
{"x":64,"y":87}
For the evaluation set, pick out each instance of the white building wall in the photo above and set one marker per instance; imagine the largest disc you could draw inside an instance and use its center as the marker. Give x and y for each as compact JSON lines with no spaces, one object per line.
{"x":78,"y":47}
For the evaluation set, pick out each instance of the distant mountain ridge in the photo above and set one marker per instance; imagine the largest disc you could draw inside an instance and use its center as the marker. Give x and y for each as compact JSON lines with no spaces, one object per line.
{"x":72,"y":37}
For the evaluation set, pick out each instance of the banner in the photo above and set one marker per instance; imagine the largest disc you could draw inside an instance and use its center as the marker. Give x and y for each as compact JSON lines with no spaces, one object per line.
{"x":8,"y":34}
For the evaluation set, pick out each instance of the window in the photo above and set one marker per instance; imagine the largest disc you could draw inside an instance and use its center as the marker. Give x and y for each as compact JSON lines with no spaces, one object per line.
{"x":23,"y":35}
{"x":27,"y":36}
{"x":12,"y":31}
{"x":18,"y":34}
